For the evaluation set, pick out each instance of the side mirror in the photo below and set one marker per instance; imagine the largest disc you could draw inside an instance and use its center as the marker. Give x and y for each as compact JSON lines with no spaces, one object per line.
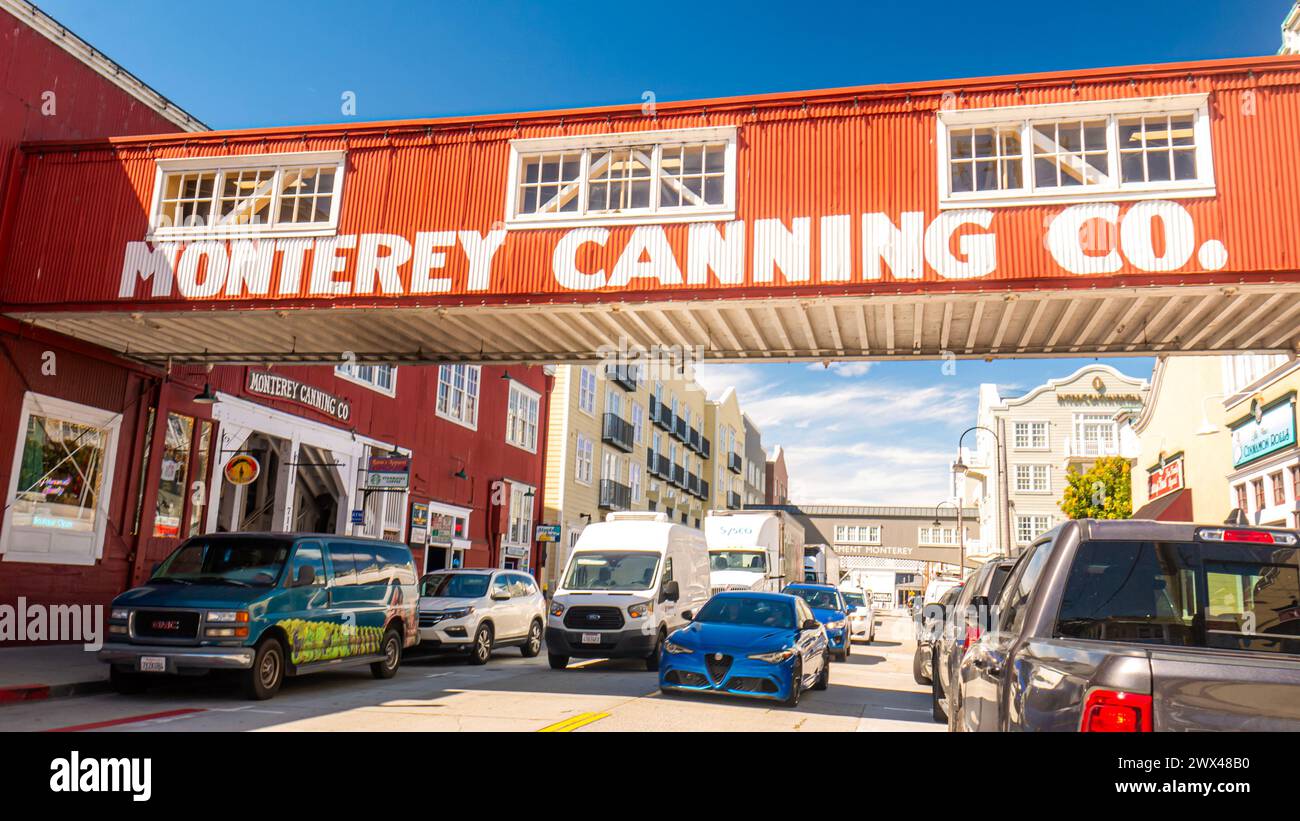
{"x":671,"y":591}
{"x":500,"y":595}
{"x":689,"y":615}
{"x":306,"y":576}
{"x":810,"y":624}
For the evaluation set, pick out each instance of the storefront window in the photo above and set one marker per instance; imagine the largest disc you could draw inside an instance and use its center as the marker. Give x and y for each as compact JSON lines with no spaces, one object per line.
{"x":59,"y":475}
{"x":200,"y":496}
{"x":174,"y":474}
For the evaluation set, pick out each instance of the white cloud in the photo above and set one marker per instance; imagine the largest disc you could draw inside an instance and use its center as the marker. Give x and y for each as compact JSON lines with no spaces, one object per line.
{"x":748,"y":380}
{"x":864,"y":475}
{"x":845,"y":369}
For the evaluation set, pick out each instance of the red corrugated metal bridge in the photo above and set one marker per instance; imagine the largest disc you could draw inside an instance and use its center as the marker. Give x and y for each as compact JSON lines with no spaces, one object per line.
{"x":1111,"y":211}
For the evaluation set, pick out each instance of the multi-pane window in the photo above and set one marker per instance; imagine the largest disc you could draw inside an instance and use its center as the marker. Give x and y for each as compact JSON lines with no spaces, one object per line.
{"x":946,"y":536}
{"x":582,"y":463}
{"x":520,"y":528}
{"x":1258,"y":486}
{"x":521,"y":418}
{"x":1083,"y":150}
{"x":634,"y":480}
{"x":586,"y":390}
{"x":1032,"y":478}
{"x":1095,"y":434}
{"x":382,"y":378}
{"x":293,"y":194}
{"x":458,"y":387}
{"x":1031,"y":526}
{"x":858,"y":534}
{"x":1030,"y":435}
{"x":638,"y":422}
{"x":687,"y":174}
{"x":1242,"y":504}
{"x":1279,"y":489}
{"x":1295,"y":482}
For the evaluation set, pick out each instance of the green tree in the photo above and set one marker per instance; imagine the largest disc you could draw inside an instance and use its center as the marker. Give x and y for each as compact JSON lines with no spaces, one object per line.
{"x":1104,"y":492}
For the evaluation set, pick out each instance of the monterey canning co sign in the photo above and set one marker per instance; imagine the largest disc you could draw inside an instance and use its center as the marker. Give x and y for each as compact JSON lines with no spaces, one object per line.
{"x":1095,"y":239}
{"x":274,"y":386}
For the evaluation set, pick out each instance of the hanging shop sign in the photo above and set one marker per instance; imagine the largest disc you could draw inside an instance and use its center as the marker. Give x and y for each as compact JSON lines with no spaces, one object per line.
{"x":274,"y":386}
{"x":1165,"y":478}
{"x":548,"y":533}
{"x":1267,"y":429}
{"x":419,"y":523}
{"x":242,"y":469}
{"x":388,"y":472}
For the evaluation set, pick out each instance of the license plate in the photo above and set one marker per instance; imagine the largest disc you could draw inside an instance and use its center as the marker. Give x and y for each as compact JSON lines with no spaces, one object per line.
{"x":153,"y":664}
{"x":591,"y":638}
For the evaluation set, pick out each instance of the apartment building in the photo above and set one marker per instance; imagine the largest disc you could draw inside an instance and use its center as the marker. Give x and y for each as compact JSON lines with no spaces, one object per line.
{"x":725,"y":420}
{"x":1026,"y":445}
{"x":755,"y":463}
{"x":777,"y":479}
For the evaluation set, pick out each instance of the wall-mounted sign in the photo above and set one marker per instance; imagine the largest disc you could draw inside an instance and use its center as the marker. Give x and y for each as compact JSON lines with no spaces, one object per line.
{"x":419,"y":523}
{"x":1165,"y":478}
{"x":242,"y":469}
{"x":1268,"y":429}
{"x":358,"y":517}
{"x":548,"y":533}
{"x":388,"y":472}
{"x":274,"y":386}
{"x":513,"y":550}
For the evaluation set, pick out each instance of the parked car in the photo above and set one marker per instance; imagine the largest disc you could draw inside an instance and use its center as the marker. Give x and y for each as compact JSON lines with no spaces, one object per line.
{"x":759,"y":645}
{"x":965,"y":622}
{"x":266,"y":605}
{"x":862,"y":613}
{"x":480,"y":610}
{"x":829,"y":608}
{"x":1134,"y":625}
{"x":929,"y":622}
{"x":626,"y":584}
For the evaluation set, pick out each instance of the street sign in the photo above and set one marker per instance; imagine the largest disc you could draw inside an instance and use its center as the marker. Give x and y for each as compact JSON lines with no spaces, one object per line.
{"x":548,"y":533}
{"x":388,"y":472}
{"x":242,"y":469}
{"x":358,"y":517}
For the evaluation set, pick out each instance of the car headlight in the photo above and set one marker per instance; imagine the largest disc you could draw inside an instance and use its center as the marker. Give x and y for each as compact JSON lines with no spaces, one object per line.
{"x":835,"y":625}
{"x":119,"y":614}
{"x":557,"y":609}
{"x":458,"y":613}
{"x":774,"y":658}
{"x":676,"y":649}
{"x":227,"y":616}
{"x":641,"y":609}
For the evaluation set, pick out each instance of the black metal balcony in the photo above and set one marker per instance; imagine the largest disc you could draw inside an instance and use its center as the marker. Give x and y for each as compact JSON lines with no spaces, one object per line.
{"x":615,"y":495}
{"x":680,"y":429}
{"x":704,"y":491}
{"x":734,"y":463}
{"x":625,"y":376}
{"x":679,"y":476}
{"x":705,"y":446}
{"x":693,"y":439}
{"x":665,"y":468}
{"x":693,"y":484}
{"x":661,"y":415}
{"x":733,"y":500}
{"x":617,"y":431}
{"x":650,"y":462}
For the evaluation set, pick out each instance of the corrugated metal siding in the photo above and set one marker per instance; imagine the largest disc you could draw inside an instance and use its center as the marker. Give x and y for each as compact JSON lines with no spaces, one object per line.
{"x":823,"y":156}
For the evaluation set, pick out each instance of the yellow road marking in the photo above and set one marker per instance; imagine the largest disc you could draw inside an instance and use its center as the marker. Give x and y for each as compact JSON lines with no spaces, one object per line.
{"x":571,"y":724}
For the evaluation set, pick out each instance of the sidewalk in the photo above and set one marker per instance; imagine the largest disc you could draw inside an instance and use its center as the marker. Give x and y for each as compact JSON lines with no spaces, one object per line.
{"x":49,"y":671}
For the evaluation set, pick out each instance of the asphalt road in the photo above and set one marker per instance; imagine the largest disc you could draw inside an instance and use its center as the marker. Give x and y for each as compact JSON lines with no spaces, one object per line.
{"x":873,"y":690}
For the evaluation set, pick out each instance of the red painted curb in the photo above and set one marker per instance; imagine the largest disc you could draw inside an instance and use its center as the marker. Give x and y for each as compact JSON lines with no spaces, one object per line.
{"x":128,"y":720}
{"x":24,"y":692}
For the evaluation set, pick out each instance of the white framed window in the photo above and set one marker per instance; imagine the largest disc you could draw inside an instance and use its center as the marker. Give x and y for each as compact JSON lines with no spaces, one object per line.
{"x":521,"y":417}
{"x":1031,"y":526}
{"x":634,"y":480}
{"x":583,"y":455}
{"x":858,"y":534}
{"x":520,"y":518}
{"x":1032,"y":479}
{"x":941,"y":536}
{"x":56,"y":511}
{"x":638,"y":422}
{"x":1095,"y":434}
{"x":614,"y":402}
{"x":587,"y":391}
{"x":381,"y":378}
{"x":1029,"y":436}
{"x":610,"y":465}
{"x":294,"y":194}
{"x":1076,"y":152}
{"x":458,"y":387}
{"x":685,"y":175}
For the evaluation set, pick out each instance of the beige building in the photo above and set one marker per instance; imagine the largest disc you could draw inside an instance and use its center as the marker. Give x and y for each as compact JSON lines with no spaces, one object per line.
{"x":1015,"y":470}
{"x":723,"y":418}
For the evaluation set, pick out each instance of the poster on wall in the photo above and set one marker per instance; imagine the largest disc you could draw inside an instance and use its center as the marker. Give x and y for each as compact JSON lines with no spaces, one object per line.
{"x":419,"y":523}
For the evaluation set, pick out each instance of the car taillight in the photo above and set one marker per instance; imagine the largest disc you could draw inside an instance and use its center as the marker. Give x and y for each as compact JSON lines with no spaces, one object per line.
{"x":1220,"y":534}
{"x":1248,"y":536}
{"x":1115,"y":711}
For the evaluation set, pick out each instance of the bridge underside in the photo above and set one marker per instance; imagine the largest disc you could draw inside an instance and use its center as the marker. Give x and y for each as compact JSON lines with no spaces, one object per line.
{"x":1117,"y":322}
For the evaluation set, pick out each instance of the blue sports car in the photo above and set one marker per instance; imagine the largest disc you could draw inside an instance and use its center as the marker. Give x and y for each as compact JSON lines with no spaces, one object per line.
{"x":761,"y":645}
{"x":829,"y":608}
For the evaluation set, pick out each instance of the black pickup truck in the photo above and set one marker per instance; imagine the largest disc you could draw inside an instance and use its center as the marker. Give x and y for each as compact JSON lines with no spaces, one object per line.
{"x":1133,"y":625}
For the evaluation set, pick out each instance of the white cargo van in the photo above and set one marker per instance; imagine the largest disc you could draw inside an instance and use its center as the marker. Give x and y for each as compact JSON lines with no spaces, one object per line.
{"x":753,"y":550}
{"x":821,"y":565}
{"x":628,"y":580}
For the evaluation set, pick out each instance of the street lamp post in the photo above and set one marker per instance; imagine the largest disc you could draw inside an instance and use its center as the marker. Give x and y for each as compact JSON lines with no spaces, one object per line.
{"x":961,"y":561}
{"x":959,"y":467}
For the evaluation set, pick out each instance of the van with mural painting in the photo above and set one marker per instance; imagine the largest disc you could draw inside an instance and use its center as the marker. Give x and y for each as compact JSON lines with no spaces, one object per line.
{"x":265,"y":606}
{"x":753,"y":550}
{"x":626,"y":585}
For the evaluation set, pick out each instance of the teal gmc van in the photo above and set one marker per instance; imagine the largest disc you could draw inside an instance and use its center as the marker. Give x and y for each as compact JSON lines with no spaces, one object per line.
{"x":266,"y":605}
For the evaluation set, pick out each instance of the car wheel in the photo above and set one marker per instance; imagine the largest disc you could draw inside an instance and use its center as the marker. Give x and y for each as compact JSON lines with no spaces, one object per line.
{"x":917,"y":675}
{"x":533,"y":644}
{"x":481,"y":649}
{"x":848,"y":647}
{"x":796,"y":684}
{"x":125,"y":683}
{"x":263,"y":679}
{"x":652,"y":660}
{"x":557,"y":662}
{"x":391,"y":647}
{"x":824,"y":680}
{"x":936,"y":693}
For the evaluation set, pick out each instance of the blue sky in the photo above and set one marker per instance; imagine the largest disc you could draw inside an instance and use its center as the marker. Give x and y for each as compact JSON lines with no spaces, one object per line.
{"x":880,"y":433}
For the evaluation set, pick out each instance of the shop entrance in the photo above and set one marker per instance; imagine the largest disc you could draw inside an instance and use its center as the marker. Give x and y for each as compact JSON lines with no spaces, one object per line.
{"x":317,"y":492}
{"x":251,"y":507}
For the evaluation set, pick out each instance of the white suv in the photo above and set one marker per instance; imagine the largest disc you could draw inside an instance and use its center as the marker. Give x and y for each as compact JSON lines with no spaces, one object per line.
{"x":478,"y":610}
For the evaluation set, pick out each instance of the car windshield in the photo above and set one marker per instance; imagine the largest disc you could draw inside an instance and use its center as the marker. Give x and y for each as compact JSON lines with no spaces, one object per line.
{"x":455,"y":585}
{"x":754,"y":561}
{"x":854,"y":599}
{"x":612,"y":570}
{"x":753,"y":612}
{"x":820,"y":599}
{"x":242,"y":562}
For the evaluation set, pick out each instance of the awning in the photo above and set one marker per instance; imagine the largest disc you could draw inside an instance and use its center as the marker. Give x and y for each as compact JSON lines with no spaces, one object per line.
{"x":1174,"y":507}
